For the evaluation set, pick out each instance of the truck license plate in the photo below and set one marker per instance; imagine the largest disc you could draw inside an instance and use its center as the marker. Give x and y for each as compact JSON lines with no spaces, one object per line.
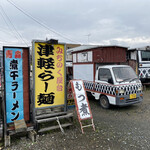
{"x":132,"y":96}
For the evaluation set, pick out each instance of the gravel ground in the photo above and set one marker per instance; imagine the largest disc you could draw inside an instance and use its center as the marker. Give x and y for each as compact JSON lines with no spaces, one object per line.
{"x":116,"y":129}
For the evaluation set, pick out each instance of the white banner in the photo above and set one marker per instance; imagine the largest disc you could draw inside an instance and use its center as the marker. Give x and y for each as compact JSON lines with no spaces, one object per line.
{"x":81,"y":100}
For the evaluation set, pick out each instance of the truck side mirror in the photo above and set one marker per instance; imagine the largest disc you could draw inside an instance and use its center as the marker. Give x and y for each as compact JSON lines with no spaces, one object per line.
{"x":110,"y":80}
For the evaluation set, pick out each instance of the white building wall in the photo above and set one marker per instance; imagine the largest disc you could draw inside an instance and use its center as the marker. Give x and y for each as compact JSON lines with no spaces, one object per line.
{"x":83,"y":72}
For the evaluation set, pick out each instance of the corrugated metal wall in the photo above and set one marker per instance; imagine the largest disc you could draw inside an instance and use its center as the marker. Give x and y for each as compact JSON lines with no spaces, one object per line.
{"x":109,"y":55}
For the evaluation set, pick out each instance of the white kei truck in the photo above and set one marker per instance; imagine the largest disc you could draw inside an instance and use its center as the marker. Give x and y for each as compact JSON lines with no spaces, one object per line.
{"x":113,"y":85}
{"x":106,"y":75}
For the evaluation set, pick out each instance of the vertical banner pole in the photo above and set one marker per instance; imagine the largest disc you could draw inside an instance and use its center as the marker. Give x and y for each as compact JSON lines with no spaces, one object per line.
{"x":65,"y":83}
{"x":33,"y":81}
{"x":3,"y":99}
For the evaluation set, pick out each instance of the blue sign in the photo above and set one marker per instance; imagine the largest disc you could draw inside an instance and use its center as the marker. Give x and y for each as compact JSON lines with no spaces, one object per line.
{"x":14,"y":84}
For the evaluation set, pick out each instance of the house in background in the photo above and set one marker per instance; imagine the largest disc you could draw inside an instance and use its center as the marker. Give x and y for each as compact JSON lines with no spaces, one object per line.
{"x":69,"y":71}
{"x":70,"y":46}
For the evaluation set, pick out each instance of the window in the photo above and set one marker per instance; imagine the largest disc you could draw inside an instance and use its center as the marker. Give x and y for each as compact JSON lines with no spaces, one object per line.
{"x":104,"y":74}
{"x":145,"y":55}
{"x":124,"y":74}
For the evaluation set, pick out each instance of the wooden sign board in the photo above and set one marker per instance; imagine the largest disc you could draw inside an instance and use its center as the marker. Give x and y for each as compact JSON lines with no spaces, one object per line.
{"x":48,"y":74}
{"x":16,"y":93}
{"x":81,"y":102}
{"x":16,"y":83}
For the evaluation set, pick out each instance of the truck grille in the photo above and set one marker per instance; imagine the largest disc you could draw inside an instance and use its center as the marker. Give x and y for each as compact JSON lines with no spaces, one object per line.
{"x":129,"y":89}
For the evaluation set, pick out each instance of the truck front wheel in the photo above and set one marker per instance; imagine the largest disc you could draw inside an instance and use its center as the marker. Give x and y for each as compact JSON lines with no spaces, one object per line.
{"x":104,"y":102}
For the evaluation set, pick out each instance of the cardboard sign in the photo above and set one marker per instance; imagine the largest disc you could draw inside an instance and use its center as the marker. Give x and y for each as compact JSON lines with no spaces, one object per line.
{"x":81,"y":101}
{"x":49,"y":76}
{"x":70,"y":100}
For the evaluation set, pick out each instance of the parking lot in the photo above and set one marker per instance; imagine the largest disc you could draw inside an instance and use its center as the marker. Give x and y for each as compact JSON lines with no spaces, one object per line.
{"x":116,"y":128}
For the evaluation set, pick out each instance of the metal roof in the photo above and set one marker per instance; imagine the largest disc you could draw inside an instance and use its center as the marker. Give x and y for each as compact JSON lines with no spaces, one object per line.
{"x":82,"y":47}
{"x":86,"y":47}
{"x":111,"y":66}
{"x":140,"y":48}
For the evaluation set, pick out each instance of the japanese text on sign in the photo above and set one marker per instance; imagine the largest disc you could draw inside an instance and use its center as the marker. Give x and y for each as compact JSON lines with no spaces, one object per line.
{"x":81,"y":100}
{"x":49,"y":75}
{"x":14,"y":84}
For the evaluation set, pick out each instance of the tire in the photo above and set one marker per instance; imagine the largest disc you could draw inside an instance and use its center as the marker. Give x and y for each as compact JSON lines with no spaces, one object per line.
{"x":90,"y":96}
{"x":104,"y":102}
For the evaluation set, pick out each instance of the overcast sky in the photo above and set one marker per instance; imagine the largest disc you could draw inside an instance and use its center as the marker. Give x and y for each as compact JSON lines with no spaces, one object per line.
{"x":100,"y":22}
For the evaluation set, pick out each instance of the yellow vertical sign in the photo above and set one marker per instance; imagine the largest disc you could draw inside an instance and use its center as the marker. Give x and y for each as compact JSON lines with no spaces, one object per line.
{"x":49,"y":75}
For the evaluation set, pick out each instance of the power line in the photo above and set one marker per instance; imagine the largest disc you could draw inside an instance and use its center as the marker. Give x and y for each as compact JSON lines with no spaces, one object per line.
{"x":13,"y":26}
{"x":7,"y":31}
{"x":3,"y":41}
{"x":40,"y":23}
{"x":8,"y":24}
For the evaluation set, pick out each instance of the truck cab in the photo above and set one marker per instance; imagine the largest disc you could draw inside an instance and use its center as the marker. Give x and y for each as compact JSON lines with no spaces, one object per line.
{"x":139,"y":60}
{"x":144,"y":65}
{"x":116,"y":74}
{"x":117,"y":85}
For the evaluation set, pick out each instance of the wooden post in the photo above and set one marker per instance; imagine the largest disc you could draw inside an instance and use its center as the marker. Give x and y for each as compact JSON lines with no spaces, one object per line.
{"x":7,"y":140}
{"x":32,"y":135}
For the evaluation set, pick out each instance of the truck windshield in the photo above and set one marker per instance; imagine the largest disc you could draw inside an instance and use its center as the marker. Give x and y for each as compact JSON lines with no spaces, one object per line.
{"x":124,"y":74}
{"x":145,"y":55}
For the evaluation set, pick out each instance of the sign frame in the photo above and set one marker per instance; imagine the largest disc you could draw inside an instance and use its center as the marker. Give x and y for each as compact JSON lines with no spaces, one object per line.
{"x":33,"y":77}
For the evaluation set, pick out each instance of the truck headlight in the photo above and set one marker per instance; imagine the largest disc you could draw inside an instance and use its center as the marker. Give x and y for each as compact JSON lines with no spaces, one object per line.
{"x":140,"y":88}
{"x":121,"y":91}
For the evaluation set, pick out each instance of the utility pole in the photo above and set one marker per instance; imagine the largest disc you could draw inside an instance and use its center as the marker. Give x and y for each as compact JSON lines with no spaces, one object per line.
{"x":88,"y":36}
